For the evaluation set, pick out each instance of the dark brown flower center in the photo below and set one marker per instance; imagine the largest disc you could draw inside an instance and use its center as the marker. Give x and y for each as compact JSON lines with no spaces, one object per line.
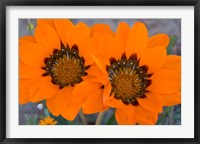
{"x":128,"y":79}
{"x":65,"y":66}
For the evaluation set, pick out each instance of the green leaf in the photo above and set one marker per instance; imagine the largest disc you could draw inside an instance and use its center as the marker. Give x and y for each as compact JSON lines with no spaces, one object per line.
{"x":172,"y":43}
{"x":30,"y":27}
{"x":112,"y":120}
{"x":27,"y":118}
{"x":31,"y":120}
{"x":61,"y":120}
{"x":46,"y":112}
{"x":177,"y":115}
{"x":162,"y":118}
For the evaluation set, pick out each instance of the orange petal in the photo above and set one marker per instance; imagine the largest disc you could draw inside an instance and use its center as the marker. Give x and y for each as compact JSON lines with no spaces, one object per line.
{"x":54,"y":123}
{"x":168,"y":79}
{"x":45,"y":21}
{"x":153,"y":58}
{"x":126,"y":115}
{"x":86,"y":48}
{"x":152,"y":102}
{"x":172,"y":62}
{"x":94,"y":70}
{"x":87,"y":78}
{"x":70,"y":110}
{"x":158,"y":40}
{"x":171,"y":99}
{"x":113,"y":102}
{"x":121,"y":35}
{"x":23,"y":93}
{"x":99,"y":29}
{"x":23,"y":96}
{"x":62,"y":26}
{"x":109,"y":99}
{"x":83,"y":89}
{"x":26,"y":71}
{"x":98,"y":79}
{"x":77,"y":34}
{"x":109,"y":47}
{"x":145,"y":117}
{"x":56,"y":103}
{"x":25,"y":39}
{"x":32,"y":54}
{"x":47,"y":37}
{"x":166,"y":82}
{"x":107,"y":91}
{"x":137,"y":40}
{"x":94,"y":102}
{"x":43,"y":89}
{"x":97,"y":74}
{"x":101,"y":62}
{"x":24,"y":86}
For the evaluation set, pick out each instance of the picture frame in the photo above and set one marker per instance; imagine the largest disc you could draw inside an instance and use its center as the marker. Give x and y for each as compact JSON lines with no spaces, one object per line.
{"x":3,"y":77}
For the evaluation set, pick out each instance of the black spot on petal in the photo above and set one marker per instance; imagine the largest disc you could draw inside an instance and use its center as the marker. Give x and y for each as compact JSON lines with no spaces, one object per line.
{"x":82,"y":60}
{"x":135,"y":103}
{"x":46,"y":60}
{"x":102,"y":86}
{"x":45,"y":74}
{"x":145,"y":68}
{"x":149,"y":75}
{"x":75,"y":47}
{"x":143,"y":96}
{"x":61,"y":86}
{"x":123,"y":56}
{"x":87,"y":67}
{"x":85,"y":73}
{"x":44,"y":68}
{"x":112,"y":60}
{"x":62,"y":46}
{"x":55,"y":51}
{"x":133,"y":56}
{"x":149,"y":82}
{"x":107,"y":67}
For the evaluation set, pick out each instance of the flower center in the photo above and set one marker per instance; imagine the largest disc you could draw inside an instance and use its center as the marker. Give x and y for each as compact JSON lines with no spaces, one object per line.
{"x":128,"y":79}
{"x":65,"y":66}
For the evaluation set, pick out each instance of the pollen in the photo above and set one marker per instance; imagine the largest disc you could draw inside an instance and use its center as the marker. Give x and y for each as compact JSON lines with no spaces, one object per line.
{"x":128,"y":79}
{"x":65,"y":66}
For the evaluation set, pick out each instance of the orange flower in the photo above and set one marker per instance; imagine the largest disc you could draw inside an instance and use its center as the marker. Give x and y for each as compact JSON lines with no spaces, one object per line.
{"x":138,"y":77}
{"x":48,"y":121}
{"x":53,"y":65}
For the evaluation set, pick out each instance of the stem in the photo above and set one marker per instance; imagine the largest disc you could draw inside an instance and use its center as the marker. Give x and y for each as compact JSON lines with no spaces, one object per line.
{"x":29,"y":26}
{"x":163,"y":115}
{"x":83,"y":118}
{"x":171,"y":116}
{"x":99,"y":118}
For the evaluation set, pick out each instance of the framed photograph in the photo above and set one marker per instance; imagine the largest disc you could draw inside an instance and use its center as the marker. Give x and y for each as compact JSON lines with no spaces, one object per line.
{"x":99,"y":71}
